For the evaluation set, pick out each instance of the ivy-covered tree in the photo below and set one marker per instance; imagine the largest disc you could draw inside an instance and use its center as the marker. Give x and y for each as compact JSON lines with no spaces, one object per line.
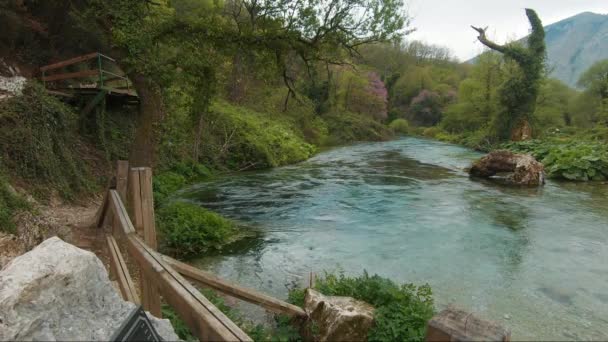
{"x":517,"y":95}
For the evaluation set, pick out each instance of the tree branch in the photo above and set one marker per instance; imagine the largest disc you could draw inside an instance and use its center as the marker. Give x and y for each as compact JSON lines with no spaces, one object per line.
{"x":485,"y":41}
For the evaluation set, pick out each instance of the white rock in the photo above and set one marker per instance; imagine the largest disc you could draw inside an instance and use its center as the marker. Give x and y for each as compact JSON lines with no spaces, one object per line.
{"x":60,"y":292}
{"x":11,"y":86}
{"x":338,"y":318}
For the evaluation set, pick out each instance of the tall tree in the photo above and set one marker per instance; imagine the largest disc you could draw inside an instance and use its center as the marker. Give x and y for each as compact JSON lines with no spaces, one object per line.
{"x":518,"y":93}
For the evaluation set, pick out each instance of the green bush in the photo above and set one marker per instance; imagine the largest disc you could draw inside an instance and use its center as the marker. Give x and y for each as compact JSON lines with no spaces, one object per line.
{"x":346,"y":127}
{"x":431,"y":132}
{"x":38,"y":137}
{"x":240,"y":138}
{"x":569,"y":159}
{"x":400,"y":126}
{"x":402,"y":311}
{"x":188,"y":230}
{"x":10,"y":204}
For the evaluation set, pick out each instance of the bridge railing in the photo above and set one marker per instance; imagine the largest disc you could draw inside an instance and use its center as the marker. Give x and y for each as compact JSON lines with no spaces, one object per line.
{"x":133,"y":229}
{"x":95,"y":67}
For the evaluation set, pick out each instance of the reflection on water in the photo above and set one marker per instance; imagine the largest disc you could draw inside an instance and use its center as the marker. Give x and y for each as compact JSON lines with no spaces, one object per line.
{"x":405,"y":209}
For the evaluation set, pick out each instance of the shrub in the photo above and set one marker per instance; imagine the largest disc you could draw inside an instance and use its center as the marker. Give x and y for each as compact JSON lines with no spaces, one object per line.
{"x":346,"y":127}
{"x":402,"y":311}
{"x":188,"y":230}
{"x":431,"y":132}
{"x":240,"y":138}
{"x":400,"y":126}
{"x":572,"y":160}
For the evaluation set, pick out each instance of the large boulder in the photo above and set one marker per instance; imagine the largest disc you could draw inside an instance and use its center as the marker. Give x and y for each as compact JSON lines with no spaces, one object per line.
{"x":58,"y":292}
{"x":523,"y":169}
{"x":338,"y":318}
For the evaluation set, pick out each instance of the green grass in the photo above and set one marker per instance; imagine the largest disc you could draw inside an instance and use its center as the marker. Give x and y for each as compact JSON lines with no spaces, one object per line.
{"x":178,"y":176}
{"x":400,"y":126}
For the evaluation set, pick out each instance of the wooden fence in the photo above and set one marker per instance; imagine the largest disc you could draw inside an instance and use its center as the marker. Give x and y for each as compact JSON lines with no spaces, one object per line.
{"x":161,"y":277}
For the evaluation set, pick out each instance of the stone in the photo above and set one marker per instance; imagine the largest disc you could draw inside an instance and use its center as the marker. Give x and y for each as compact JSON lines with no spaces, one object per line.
{"x":335,"y":318}
{"x":454,"y":324}
{"x":523,"y":168}
{"x":58,"y":292}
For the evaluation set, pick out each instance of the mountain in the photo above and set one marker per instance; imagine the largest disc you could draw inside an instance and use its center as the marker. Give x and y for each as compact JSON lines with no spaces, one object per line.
{"x":574,"y":44}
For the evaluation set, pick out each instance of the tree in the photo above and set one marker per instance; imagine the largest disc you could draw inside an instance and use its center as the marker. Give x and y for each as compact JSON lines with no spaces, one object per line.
{"x":518,"y":93}
{"x":595,"y":83}
{"x":326,"y":31}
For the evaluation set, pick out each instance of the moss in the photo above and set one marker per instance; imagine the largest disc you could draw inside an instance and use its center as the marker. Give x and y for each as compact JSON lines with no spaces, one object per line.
{"x":188,"y":230}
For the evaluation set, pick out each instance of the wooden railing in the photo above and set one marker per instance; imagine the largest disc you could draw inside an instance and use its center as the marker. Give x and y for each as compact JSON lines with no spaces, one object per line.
{"x":103,"y":78}
{"x":161,"y":276}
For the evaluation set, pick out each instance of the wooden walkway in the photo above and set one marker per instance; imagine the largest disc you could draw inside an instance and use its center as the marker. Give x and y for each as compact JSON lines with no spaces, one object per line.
{"x":89,"y":74}
{"x":161,"y":277}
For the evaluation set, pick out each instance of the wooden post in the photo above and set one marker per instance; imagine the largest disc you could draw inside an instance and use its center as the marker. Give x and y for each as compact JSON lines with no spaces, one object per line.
{"x":122,"y":173}
{"x":134,"y":202}
{"x":142,"y":204}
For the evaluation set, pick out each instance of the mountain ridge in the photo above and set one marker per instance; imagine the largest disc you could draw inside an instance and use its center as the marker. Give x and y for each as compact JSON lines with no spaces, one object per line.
{"x":574,"y":44}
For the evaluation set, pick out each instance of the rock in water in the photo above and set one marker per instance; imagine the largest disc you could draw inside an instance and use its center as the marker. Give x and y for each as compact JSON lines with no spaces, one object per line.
{"x":524,"y":169}
{"x":60,"y":292}
{"x":338,"y":318}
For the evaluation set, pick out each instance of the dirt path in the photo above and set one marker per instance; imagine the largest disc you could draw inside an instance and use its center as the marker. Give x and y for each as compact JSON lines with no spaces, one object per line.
{"x":70,"y":222}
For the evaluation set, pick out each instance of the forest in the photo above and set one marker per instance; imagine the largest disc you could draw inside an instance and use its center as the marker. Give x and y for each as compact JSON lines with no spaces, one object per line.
{"x":227,"y":86}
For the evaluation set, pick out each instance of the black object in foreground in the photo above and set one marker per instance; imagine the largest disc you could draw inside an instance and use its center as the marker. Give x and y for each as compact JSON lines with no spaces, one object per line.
{"x":137,"y":327}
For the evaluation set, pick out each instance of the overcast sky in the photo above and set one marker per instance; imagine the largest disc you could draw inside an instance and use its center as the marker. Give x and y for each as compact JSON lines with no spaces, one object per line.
{"x":447,"y":22}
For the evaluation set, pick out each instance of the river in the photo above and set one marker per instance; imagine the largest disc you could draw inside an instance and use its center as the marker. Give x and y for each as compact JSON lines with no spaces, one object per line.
{"x":533,"y":259}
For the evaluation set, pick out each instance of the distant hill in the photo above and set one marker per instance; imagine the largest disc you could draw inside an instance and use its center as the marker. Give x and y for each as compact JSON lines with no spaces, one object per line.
{"x":574,"y":44}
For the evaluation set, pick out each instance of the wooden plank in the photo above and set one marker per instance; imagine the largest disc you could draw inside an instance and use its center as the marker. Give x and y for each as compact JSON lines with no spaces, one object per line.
{"x":206,"y":321}
{"x":120,"y":212}
{"x":147,"y":206}
{"x":121,"y":272}
{"x":251,"y":296}
{"x":150,"y":295}
{"x":135,"y":200}
{"x":69,"y":61}
{"x":122,"y":173}
{"x":101,"y":213}
{"x":59,"y":93}
{"x":78,"y":74}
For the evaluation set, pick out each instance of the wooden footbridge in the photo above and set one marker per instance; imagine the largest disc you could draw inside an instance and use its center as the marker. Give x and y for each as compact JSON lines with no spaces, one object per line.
{"x":93,"y":75}
{"x":131,"y":228}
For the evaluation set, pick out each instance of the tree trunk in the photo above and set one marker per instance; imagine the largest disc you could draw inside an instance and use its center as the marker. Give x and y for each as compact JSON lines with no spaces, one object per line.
{"x":197,"y":139}
{"x":151,"y":114}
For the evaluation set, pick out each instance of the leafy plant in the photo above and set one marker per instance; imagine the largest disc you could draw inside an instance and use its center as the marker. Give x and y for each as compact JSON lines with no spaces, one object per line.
{"x":572,"y":160}
{"x":402,"y":311}
{"x":188,"y":230}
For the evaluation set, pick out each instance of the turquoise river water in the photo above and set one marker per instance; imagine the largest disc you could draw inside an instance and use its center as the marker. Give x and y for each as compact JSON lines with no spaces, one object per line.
{"x":533,"y":259}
